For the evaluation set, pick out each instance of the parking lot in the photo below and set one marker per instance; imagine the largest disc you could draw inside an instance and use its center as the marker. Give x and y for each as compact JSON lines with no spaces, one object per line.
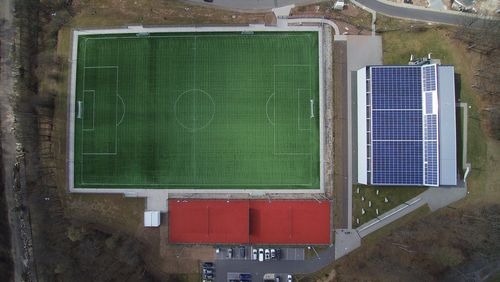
{"x":286,"y":253}
{"x":236,"y":276}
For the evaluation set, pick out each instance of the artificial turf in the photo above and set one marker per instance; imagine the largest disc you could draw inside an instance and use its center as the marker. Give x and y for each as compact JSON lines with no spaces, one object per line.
{"x":197,"y":110}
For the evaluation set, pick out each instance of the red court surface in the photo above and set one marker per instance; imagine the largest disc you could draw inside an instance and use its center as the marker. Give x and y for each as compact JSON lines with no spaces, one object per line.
{"x":249,"y":221}
{"x":208,"y":221}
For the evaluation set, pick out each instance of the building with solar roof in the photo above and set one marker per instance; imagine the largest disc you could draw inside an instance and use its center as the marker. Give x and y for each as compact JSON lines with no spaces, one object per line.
{"x":406,"y":125}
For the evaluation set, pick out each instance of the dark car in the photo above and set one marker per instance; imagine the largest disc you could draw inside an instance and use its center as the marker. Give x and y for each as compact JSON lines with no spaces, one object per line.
{"x":208,"y":264}
{"x":278,"y":253}
{"x":209,"y":1}
{"x":245,"y":276}
{"x":242,"y":251}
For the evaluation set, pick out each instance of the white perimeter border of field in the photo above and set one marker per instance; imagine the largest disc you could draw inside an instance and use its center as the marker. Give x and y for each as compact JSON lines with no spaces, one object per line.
{"x":141,"y":192}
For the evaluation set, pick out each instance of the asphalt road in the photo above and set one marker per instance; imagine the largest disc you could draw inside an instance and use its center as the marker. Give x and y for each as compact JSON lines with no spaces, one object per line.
{"x":406,"y":11}
{"x":426,"y":15}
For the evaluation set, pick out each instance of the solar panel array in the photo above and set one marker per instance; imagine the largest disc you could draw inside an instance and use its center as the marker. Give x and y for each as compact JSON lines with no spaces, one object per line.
{"x":431,"y":154}
{"x":404,"y":145}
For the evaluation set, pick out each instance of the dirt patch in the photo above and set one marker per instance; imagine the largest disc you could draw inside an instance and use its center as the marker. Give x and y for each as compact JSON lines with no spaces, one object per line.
{"x":351,"y":20}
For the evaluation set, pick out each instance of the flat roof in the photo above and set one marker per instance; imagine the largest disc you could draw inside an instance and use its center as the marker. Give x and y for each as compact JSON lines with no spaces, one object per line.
{"x":401,"y":112}
{"x":448,"y":172}
{"x":249,"y":221}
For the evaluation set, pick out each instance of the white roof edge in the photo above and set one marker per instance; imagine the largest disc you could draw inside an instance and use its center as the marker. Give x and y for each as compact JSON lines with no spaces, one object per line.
{"x":362,"y":146}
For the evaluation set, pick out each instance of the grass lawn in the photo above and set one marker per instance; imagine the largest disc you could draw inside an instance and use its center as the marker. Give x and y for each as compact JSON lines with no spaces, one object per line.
{"x":395,"y":196}
{"x":482,"y":152}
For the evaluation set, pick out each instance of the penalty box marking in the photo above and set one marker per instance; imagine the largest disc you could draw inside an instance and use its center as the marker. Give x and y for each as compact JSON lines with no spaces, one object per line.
{"x":116,"y":115}
{"x":298,"y":113}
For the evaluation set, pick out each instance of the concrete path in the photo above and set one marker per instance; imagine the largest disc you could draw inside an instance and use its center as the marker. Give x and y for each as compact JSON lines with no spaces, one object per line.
{"x":346,"y":240}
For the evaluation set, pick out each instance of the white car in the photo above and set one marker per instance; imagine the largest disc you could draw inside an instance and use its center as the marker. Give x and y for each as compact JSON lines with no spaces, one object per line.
{"x":261,"y":254}
{"x":289,"y":278}
{"x":267,"y":254}
{"x":273,"y":253}
{"x":254,"y":254}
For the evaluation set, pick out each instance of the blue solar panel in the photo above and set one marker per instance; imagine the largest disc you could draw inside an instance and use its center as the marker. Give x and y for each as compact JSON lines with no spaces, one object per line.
{"x":429,"y":78}
{"x":396,"y":88}
{"x":431,"y":163}
{"x":396,"y":162}
{"x":430,"y":128}
{"x":400,"y":127}
{"x":397,"y":125}
{"x":428,"y":102}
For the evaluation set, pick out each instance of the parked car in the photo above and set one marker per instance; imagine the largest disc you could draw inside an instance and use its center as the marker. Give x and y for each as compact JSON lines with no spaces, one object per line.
{"x":254,"y":254}
{"x":267,"y":254}
{"x":278,"y":254}
{"x":208,"y":264}
{"x":289,"y":278}
{"x":209,"y":276}
{"x":277,"y":279}
{"x":242,"y":251}
{"x":207,"y":271}
{"x":261,"y":254}
{"x":230,"y":252}
{"x":273,"y":253}
{"x":245,"y":276}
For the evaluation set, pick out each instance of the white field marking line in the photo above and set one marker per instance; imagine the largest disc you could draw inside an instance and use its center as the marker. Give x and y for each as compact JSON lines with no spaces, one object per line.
{"x":93,"y":110}
{"x":274,"y":128}
{"x":299,"y":111}
{"x":274,"y":110}
{"x":189,"y":185}
{"x":310,"y":120}
{"x":102,"y":67}
{"x":236,"y":35}
{"x":175,"y":110}
{"x":116,"y":111}
{"x":116,"y":125}
{"x":83,"y":88}
{"x":267,"y":114}
{"x":194,"y":111}
{"x":274,"y":35}
{"x":123,"y":114}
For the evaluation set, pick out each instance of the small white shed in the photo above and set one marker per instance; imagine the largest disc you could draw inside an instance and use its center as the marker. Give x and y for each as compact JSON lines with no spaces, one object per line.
{"x":339,"y":5}
{"x":151,"y":218}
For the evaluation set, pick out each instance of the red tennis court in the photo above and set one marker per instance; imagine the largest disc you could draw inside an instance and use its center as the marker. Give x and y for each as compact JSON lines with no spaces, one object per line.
{"x":249,"y":221}
{"x":208,"y":221}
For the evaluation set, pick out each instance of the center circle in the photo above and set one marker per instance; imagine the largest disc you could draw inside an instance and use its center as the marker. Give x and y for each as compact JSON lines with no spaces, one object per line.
{"x":194,"y":109}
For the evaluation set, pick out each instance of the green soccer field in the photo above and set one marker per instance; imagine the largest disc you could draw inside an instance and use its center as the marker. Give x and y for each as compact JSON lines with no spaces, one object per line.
{"x":197,"y":110}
